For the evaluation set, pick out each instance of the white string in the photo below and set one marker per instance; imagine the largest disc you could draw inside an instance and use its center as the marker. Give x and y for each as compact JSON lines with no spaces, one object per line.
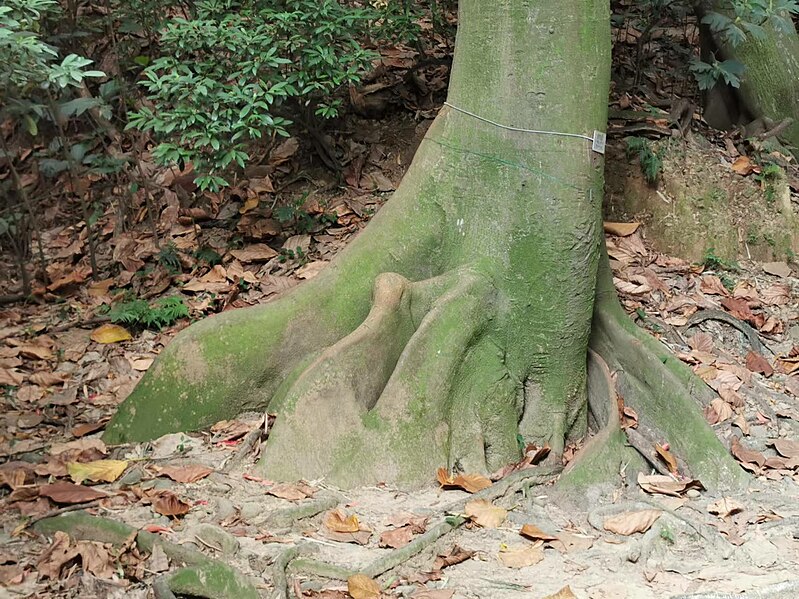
{"x":520,"y":130}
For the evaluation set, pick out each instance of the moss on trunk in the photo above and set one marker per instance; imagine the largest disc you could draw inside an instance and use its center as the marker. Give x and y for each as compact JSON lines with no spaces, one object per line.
{"x":460,"y":318}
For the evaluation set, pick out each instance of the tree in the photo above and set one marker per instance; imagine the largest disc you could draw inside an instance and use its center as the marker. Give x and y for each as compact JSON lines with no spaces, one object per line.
{"x":462,"y":317}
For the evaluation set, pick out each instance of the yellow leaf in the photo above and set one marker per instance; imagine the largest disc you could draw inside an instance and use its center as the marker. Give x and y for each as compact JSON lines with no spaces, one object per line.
{"x":337,"y":521}
{"x":485,"y":514}
{"x":98,"y":471}
{"x":564,"y":593}
{"x":360,"y":586}
{"x":110,"y":333}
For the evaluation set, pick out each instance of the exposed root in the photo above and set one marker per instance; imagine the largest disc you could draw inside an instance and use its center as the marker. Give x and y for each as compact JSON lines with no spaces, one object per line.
{"x":279,"y":578}
{"x":202,"y":576}
{"x":751,"y":334}
{"x":285,"y":517}
{"x":663,"y":391}
{"x":781,"y":590}
{"x":507,"y":486}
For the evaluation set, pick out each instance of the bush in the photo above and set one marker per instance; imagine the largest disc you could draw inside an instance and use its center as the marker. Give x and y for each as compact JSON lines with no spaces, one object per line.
{"x":233,"y":72}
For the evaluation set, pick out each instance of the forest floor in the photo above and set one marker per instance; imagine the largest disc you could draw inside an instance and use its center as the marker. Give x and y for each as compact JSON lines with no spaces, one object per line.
{"x":737,"y":325}
{"x":64,"y":366}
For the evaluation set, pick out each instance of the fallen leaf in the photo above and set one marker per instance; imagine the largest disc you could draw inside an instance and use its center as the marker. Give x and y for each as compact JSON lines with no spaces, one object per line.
{"x":64,"y":492}
{"x":96,"y":559}
{"x":757,"y":363}
{"x":360,"y":586}
{"x":396,"y":538}
{"x":532,"y":532}
{"x":629,"y":523}
{"x":722,"y":409}
{"x":568,"y":542}
{"x":620,"y":229}
{"x":79,"y":445}
{"x":88,"y":428}
{"x":337,"y":521}
{"x":725,"y":506}
{"x":291,"y":491}
{"x":258,"y":252}
{"x":485,"y":514}
{"x":778,"y":294}
{"x":55,"y":556}
{"x":470,"y":483}
{"x":786,"y":447}
{"x":564,"y":593}
{"x":98,"y":471}
{"x":746,"y":455}
{"x":168,"y":504}
{"x":110,"y":333}
{"x":743,"y":166}
{"x":667,"y":457}
{"x":521,"y":556}
{"x":455,"y":555}
{"x":185,"y":474}
{"x":666,"y":485}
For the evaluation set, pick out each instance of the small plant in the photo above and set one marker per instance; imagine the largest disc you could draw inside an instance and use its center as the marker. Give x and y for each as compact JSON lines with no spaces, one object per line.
{"x":230,"y":72}
{"x":161,"y":313}
{"x":767,"y":179}
{"x":667,"y":535}
{"x":169,"y":258}
{"x":712,"y":261}
{"x":651,"y":162}
{"x":738,"y":21}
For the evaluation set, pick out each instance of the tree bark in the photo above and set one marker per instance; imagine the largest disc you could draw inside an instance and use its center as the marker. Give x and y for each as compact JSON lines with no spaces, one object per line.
{"x":460,"y":318}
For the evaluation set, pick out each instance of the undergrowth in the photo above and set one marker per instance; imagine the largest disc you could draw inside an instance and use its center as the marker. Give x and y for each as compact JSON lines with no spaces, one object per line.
{"x":139,"y":313}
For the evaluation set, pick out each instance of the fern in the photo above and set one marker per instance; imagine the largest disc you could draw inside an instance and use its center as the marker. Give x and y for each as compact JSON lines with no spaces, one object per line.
{"x":651,"y":162}
{"x":161,"y":313}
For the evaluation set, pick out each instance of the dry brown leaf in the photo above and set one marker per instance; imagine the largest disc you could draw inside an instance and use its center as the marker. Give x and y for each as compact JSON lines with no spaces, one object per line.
{"x":786,"y":447}
{"x":291,"y":491}
{"x":532,"y":532}
{"x":726,"y":506}
{"x":337,"y":521}
{"x":568,"y":542}
{"x":96,"y":559}
{"x":521,"y":556}
{"x":55,"y":556}
{"x":455,"y":555}
{"x":620,"y":229}
{"x":110,"y":333}
{"x":629,"y":523}
{"x":701,"y":342}
{"x":64,"y":492}
{"x":666,"y":485}
{"x":712,"y":285}
{"x":168,"y":504}
{"x":360,"y":586}
{"x":11,"y":377}
{"x":743,"y":166}
{"x":757,"y":363}
{"x":471,"y":483}
{"x":778,"y":294}
{"x":97,"y":471}
{"x":396,"y":538}
{"x":564,"y":593}
{"x":88,"y":428}
{"x":79,"y":445}
{"x":485,"y":514}
{"x":667,"y":457}
{"x":258,"y":252}
{"x":746,"y":455}
{"x":189,"y":473}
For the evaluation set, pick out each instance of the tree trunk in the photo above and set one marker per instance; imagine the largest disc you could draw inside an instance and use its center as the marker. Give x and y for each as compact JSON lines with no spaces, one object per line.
{"x":770,"y":84}
{"x":460,"y":318}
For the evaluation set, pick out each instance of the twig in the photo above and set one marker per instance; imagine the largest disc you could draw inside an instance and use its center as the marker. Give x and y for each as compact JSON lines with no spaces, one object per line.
{"x":781,"y":589}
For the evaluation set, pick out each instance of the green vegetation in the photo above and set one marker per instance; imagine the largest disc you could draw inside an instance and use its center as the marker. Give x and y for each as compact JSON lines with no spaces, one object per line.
{"x":651,"y":162}
{"x":139,"y":313}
